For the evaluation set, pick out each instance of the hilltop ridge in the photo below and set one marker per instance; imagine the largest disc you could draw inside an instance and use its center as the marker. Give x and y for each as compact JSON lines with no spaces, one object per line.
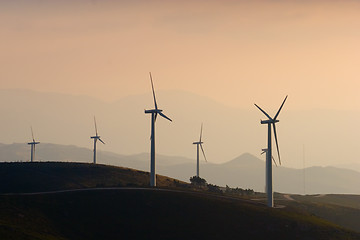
{"x":245,"y":171}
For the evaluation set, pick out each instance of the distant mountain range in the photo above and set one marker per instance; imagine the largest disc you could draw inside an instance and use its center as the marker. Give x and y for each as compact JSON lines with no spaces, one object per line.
{"x":228,"y":131}
{"x":245,"y":171}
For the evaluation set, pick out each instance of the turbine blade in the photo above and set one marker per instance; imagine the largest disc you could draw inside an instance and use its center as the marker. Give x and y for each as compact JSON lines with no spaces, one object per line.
{"x":152,"y":86}
{"x":263,"y":111}
{"x":201,"y":131}
{"x":262,"y":153}
{"x":277,"y":114}
{"x":95,"y":126}
{"x":155,"y":117}
{"x":276,"y":141}
{"x":203,"y":151}
{"x":101,"y":141}
{"x":32,"y":134}
{"x":163,"y":115}
{"x":274,"y":160}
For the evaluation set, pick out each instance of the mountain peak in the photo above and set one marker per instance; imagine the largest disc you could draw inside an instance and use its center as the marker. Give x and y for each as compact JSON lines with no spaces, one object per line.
{"x":245,"y":159}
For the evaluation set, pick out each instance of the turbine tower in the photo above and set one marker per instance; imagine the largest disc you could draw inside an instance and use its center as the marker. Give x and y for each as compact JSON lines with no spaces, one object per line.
{"x":199,"y":143}
{"x":154,"y":113}
{"x":270,"y":122}
{"x":32,"y":144}
{"x":96,"y":137}
{"x":264,"y":150}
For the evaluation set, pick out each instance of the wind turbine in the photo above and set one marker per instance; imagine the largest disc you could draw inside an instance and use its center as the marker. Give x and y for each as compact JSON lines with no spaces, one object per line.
{"x":199,"y":143}
{"x":96,"y":137}
{"x":32,"y":144}
{"x":270,"y":122}
{"x":154,"y":113}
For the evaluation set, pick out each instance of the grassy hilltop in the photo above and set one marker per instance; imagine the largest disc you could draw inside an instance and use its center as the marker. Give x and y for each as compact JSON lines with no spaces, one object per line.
{"x":51,"y":176}
{"x":137,"y":213}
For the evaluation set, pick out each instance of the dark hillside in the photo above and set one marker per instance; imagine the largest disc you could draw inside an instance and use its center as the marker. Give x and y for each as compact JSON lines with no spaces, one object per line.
{"x":151,"y":214}
{"x":171,"y":211}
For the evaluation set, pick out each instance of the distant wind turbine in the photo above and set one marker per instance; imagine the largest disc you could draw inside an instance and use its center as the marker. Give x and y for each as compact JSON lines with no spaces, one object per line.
{"x":154,"y":113}
{"x":264,"y":150}
{"x":269,"y":122}
{"x":32,"y":144}
{"x":199,"y":143}
{"x":96,"y":137}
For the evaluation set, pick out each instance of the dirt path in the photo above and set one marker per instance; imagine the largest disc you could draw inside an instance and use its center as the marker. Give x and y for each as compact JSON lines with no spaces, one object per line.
{"x":288,"y":197}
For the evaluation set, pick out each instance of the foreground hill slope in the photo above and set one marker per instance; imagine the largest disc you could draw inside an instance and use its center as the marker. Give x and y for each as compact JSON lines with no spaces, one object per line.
{"x":150,"y":214}
{"x":136,"y":213}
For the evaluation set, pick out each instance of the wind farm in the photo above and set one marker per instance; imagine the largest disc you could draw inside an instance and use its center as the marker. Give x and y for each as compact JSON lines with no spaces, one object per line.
{"x":102,"y":179}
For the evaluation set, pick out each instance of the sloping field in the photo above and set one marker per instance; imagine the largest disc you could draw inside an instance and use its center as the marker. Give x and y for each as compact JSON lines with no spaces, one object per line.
{"x":137,"y":213}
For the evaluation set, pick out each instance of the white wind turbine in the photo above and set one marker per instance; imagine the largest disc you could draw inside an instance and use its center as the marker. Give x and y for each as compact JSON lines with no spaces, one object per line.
{"x":154,"y":113}
{"x":96,"y":137}
{"x":269,"y":122}
{"x":32,"y":144}
{"x":199,"y":143}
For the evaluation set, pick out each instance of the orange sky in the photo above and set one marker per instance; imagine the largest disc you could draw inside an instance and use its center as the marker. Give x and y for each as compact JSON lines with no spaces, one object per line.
{"x":235,"y":52}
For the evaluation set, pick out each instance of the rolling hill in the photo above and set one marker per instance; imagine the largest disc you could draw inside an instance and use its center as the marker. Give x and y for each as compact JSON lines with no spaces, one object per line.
{"x":245,"y":171}
{"x":175,"y":212}
{"x":52,"y":176}
{"x":340,"y":209}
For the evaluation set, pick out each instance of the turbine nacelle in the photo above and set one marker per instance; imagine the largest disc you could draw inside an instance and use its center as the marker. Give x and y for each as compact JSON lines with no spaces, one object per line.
{"x":97,"y":138}
{"x":153,"y":111}
{"x":269,"y":121}
{"x":198,"y":142}
{"x":32,"y":143}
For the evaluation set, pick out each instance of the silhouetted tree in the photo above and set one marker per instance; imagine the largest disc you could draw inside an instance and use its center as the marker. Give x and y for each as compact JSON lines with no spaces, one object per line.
{"x":198,"y":181}
{"x":238,"y":191}
{"x":214,"y":188}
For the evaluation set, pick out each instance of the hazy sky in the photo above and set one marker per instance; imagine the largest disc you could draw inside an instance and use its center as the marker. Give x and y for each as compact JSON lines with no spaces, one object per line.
{"x":236,"y":52}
